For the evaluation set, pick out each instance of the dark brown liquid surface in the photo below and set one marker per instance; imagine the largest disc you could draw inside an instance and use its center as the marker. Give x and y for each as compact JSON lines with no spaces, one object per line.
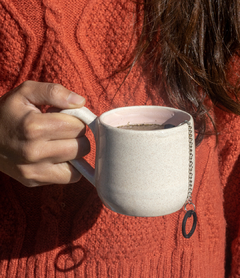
{"x":142,"y":126}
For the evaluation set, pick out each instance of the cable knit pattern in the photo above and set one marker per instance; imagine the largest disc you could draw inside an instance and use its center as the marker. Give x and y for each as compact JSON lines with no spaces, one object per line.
{"x":65,"y":231}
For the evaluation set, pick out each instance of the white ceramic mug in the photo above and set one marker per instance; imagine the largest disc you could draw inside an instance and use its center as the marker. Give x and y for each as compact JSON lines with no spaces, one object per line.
{"x":140,"y":172}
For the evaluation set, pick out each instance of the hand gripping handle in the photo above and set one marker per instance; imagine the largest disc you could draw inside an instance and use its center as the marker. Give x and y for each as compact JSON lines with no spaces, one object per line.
{"x":89,"y":119}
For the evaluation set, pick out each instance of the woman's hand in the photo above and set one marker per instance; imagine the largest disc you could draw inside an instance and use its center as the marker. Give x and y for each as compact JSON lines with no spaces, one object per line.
{"x":35,"y":146}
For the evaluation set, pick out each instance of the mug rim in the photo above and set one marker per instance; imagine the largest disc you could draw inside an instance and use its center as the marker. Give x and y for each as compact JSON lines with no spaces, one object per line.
{"x":157,"y":107}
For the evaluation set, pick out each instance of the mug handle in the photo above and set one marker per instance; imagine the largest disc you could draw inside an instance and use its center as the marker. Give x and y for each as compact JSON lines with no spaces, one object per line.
{"x":89,"y":119}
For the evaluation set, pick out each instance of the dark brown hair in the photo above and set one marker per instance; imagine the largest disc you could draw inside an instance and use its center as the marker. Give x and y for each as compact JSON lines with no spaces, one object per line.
{"x":186,"y":45}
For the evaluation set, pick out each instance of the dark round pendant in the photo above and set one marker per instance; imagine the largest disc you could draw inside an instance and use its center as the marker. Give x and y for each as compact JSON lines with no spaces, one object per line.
{"x":189,"y":214}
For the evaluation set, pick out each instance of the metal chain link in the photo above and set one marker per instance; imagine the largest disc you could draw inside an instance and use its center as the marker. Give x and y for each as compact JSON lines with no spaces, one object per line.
{"x":191,"y":212}
{"x":191,"y":166}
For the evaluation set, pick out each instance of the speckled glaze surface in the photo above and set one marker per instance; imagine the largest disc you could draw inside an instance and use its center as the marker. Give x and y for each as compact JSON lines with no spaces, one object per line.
{"x":139,"y":172}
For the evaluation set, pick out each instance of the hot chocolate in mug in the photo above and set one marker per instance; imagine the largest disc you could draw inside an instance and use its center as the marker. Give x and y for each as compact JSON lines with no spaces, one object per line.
{"x":141,"y":172}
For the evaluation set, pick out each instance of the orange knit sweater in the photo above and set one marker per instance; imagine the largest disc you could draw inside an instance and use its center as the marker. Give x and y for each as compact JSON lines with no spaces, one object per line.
{"x":64,"y":230}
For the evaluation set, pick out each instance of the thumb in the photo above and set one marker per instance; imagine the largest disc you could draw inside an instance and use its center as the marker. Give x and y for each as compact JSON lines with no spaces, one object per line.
{"x":40,"y":93}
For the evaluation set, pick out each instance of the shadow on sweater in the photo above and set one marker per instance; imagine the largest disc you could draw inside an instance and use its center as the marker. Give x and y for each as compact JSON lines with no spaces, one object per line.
{"x":232,"y":212}
{"x":37,"y":220}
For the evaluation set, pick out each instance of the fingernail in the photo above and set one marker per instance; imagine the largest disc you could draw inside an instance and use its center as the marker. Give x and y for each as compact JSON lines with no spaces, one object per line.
{"x":75,"y":99}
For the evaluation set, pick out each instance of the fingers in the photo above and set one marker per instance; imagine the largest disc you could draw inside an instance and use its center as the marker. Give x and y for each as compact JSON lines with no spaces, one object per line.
{"x":39,"y":93}
{"x":45,"y":174}
{"x":35,"y":146}
{"x":51,"y":126}
{"x":66,"y":150}
{"x":57,"y":151}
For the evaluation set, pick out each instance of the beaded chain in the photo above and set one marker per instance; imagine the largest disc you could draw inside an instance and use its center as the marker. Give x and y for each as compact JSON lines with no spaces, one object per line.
{"x":190,"y":213}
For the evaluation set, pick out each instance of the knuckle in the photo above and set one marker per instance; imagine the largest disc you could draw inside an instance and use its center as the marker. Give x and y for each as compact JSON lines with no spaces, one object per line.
{"x":54,"y":89}
{"x":28,"y":177}
{"x":30,"y":153}
{"x":26,"y":85}
{"x":31,"y":128}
